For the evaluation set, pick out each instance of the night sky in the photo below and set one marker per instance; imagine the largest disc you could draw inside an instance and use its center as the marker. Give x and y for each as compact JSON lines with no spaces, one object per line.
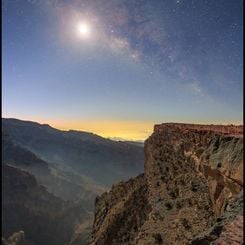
{"x":117,"y":67}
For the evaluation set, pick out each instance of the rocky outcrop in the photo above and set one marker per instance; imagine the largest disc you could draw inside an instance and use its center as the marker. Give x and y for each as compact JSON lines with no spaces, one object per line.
{"x":228,"y":229}
{"x":207,"y":150}
{"x":235,"y":130}
{"x":17,"y":238}
{"x":192,"y":174}
{"x":120,"y":213}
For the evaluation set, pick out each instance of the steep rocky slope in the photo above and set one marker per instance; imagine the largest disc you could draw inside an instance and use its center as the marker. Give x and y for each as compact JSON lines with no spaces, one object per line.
{"x":121,"y":212}
{"x":27,"y":206}
{"x":228,"y":229}
{"x":192,"y":175}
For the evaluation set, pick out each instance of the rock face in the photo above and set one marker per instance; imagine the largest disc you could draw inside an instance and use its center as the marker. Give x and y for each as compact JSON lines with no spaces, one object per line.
{"x":228,"y":229}
{"x":192,"y":175}
{"x":18,"y":238}
{"x":120,"y":213}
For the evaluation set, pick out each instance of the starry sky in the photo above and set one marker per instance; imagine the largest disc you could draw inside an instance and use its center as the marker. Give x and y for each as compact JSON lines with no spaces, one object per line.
{"x":137,"y":63}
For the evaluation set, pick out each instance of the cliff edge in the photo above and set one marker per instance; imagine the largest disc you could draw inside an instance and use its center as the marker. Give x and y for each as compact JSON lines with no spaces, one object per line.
{"x":193,"y":174}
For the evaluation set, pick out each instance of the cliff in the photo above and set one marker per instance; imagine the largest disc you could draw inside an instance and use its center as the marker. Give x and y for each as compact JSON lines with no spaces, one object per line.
{"x":228,"y":229}
{"x":192,"y":175}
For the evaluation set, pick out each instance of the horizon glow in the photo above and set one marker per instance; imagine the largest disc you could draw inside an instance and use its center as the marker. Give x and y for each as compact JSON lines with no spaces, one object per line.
{"x":117,"y":68}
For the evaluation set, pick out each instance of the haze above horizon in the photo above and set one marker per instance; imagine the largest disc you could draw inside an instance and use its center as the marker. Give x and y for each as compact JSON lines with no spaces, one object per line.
{"x":116,"y":68}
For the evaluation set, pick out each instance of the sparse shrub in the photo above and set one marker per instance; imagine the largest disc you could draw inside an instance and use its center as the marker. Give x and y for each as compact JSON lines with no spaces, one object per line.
{"x":182,"y":182}
{"x":194,"y":186}
{"x":168,"y":205}
{"x":158,"y":238}
{"x":199,"y":152}
{"x":172,"y":194}
{"x":179,"y":204}
{"x":186,"y":224}
{"x":190,"y":202}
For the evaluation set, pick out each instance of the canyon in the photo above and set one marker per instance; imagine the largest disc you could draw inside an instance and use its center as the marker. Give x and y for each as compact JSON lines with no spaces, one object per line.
{"x":52,"y":177}
{"x":191,"y":190}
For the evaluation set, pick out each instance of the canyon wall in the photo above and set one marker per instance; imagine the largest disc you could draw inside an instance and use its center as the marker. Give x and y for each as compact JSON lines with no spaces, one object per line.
{"x":192,"y":175}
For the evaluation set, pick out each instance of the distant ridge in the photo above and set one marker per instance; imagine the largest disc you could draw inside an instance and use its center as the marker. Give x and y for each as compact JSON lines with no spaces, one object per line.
{"x":98,"y":158}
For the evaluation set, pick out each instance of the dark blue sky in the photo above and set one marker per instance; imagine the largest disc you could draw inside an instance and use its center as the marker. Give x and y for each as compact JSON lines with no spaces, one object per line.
{"x":143,"y":62}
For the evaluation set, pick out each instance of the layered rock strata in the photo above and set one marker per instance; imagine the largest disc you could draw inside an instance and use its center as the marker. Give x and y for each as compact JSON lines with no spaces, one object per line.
{"x":228,"y":229}
{"x":192,"y":173}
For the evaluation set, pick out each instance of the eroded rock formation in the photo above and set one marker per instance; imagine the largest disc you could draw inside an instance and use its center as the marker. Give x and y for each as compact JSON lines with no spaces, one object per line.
{"x":192,"y":174}
{"x":17,"y":238}
{"x":228,"y":229}
{"x":120,"y":213}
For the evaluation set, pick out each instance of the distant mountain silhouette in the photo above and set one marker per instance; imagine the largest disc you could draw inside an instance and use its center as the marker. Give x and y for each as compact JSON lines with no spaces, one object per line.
{"x":58,"y":181}
{"x":102,"y":160}
{"x":15,"y":154}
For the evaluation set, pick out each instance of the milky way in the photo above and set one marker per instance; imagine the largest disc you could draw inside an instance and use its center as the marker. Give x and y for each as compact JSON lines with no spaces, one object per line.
{"x":144,"y":60}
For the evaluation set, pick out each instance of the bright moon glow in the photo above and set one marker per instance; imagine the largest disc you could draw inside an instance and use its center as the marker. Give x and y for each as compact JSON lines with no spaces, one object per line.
{"x":83,"y":29}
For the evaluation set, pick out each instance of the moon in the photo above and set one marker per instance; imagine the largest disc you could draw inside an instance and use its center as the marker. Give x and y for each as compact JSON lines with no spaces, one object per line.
{"x":83,"y":29}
